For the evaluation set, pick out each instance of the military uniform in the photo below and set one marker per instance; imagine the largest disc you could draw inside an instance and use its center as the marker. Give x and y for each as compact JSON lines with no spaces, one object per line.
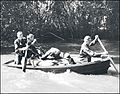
{"x":32,"y":51}
{"x":19,"y":54}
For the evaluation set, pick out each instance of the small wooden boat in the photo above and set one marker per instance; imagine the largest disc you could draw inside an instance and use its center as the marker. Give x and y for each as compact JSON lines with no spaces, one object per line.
{"x":96,"y":67}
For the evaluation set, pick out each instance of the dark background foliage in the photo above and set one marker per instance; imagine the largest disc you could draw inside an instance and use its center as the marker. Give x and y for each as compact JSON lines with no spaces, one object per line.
{"x":59,"y":20}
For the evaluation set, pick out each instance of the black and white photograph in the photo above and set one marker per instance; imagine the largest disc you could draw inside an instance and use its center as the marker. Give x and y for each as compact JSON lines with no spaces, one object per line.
{"x":59,"y":46}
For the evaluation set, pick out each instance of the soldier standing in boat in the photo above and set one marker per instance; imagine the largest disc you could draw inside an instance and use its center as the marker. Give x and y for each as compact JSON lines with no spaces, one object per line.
{"x":86,"y":53}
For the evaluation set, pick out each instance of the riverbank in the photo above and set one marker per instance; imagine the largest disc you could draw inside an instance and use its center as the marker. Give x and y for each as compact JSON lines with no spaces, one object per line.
{"x":36,"y":81}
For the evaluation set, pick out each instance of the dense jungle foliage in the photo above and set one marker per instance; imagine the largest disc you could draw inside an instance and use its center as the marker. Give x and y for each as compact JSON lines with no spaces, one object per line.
{"x":59,"y":20}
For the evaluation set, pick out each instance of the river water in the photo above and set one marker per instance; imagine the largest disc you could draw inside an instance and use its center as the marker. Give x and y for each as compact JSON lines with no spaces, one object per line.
{"x":35,"y":81}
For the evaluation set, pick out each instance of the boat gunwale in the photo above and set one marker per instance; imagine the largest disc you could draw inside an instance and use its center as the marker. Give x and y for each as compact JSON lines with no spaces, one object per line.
{"x":66,"y":66}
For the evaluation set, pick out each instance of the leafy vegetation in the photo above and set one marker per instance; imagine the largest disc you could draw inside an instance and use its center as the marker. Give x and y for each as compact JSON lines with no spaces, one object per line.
{"x":59,"y":20}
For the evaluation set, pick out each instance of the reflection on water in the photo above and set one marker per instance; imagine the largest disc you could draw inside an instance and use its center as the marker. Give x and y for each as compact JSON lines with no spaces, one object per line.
{"x":36,"y":81}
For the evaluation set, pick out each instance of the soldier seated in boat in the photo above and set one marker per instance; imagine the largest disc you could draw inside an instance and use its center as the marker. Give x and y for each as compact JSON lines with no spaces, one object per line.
{"x":33,"y":53}
{"x":86,"y":53}
{"x":55,"y":54}
{"x":22,"y":44}
{"x":19,"y":43}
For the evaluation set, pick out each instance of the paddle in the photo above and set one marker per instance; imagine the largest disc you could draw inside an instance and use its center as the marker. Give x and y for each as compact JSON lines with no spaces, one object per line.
{"x":9,"y":62}
{"x":24,"y":61}
{"x":112,"y":62}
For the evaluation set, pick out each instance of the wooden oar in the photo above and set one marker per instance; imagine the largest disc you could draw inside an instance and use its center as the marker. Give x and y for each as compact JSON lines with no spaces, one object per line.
{"x":24,"y":61}
{"x":9,"y":62}
{"x":112,"y":62}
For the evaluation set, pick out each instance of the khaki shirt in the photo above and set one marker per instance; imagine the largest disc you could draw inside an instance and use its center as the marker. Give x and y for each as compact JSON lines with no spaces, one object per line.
{"x":86,"y":51}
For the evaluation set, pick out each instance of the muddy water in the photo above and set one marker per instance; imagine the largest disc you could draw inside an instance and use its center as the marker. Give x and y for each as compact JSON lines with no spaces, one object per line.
{"x":35,"y":81}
